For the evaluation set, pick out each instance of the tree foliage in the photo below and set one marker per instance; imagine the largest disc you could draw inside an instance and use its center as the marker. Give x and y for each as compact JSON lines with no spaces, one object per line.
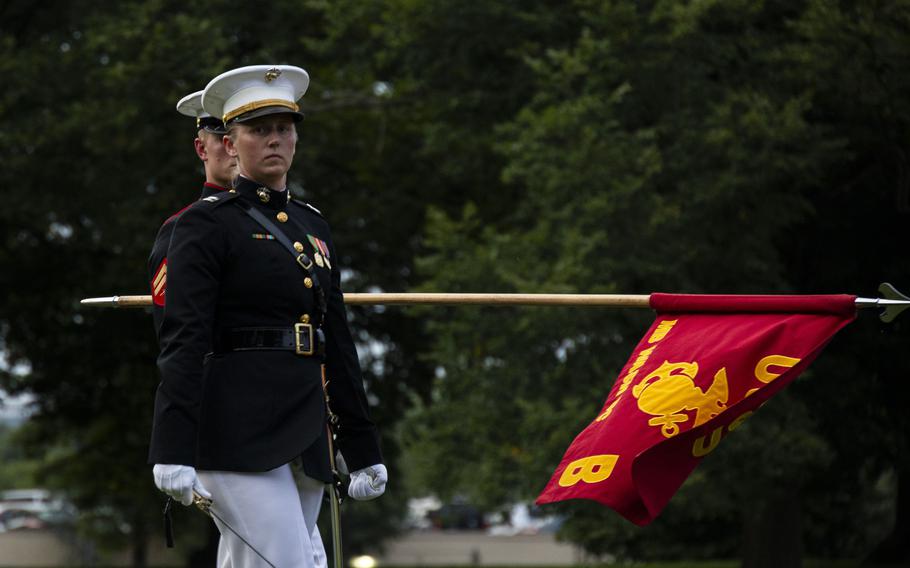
{"x":704,"y":147}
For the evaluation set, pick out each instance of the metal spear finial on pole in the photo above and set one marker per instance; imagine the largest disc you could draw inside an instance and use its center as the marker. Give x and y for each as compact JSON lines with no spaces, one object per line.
{"x":893,"y":302}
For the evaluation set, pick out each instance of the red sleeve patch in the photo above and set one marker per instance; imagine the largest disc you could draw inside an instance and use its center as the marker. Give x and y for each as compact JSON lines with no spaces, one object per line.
{"x":159,"y":283}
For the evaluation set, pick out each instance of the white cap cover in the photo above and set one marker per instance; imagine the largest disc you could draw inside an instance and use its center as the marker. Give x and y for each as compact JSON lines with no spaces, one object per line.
{"x":191,"y":105}
{"x":257,"y":90}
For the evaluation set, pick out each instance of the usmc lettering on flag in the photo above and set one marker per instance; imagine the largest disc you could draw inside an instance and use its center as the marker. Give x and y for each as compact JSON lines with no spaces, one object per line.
{"x":706,"y":364}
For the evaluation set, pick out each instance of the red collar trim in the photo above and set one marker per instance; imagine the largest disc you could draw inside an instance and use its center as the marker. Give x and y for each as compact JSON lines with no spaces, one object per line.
{"x":175,"y":215}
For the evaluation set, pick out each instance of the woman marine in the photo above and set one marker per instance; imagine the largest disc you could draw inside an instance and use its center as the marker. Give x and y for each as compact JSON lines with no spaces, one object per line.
{"x":254,"y":325}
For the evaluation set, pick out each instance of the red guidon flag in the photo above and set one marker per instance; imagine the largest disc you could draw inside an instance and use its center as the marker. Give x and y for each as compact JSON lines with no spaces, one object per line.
{"x":704,"y":366}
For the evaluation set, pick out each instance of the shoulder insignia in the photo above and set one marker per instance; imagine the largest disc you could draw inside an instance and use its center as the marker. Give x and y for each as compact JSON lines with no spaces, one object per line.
{"x":159,"y":283}
{"x":220,"y":198}
{"x":308,"y":206}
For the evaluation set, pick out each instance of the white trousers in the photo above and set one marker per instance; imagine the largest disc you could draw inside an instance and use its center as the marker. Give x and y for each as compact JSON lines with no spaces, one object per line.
{"x":272,"y":513}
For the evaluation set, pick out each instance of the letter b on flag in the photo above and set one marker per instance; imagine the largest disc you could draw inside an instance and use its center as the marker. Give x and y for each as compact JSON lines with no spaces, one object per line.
{"x":592,"y":469}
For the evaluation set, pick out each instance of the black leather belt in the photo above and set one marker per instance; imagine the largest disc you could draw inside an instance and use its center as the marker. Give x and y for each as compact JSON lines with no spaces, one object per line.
{"x":302,"y":339}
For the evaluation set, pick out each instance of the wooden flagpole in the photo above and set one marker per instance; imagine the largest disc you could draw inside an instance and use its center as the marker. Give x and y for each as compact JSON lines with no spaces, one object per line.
{"x":892,"y":304}
{"x":397,"y":299}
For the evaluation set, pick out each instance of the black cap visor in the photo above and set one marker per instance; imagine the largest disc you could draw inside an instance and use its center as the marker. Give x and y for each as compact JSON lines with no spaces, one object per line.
{"x":211,"y":124}
{"x":265,"y":111}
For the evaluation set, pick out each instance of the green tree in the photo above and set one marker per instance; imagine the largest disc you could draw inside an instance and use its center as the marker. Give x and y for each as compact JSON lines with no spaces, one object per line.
{"x":680,"y":147}
{"x":100,"y":159}
{"x":18,"y":470}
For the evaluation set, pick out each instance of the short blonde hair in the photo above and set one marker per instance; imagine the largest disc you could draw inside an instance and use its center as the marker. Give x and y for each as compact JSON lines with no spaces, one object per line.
{"x":203,"y":132}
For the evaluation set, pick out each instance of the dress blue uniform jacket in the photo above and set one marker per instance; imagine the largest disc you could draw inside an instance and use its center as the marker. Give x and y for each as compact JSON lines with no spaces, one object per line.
{"x":253,"y":410}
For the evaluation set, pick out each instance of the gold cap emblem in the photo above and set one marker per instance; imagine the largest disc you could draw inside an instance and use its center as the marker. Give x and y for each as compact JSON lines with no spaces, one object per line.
{"x":272,"y":74}
{"x":263,"y":194}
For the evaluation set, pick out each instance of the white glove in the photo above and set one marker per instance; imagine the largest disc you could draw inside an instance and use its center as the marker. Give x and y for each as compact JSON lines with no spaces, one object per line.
{"x":368,"y":483}
{"x":179,"y":481}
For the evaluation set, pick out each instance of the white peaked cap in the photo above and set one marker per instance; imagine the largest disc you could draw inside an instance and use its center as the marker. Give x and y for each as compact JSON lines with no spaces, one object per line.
{"x":257,"y":90}
{"x":191,"y":105}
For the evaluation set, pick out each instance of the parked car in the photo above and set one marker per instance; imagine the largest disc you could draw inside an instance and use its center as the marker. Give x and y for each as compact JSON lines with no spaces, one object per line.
{"x":462,"y":516}
{"x":419,"y":509}
{"x":34,"y":500}
{"x":38,"y":503}
{"x":524,"y":518}
{"x":15,"y":519}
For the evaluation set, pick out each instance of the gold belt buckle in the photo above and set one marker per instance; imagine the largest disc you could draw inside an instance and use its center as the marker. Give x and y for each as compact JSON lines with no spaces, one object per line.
{"x":299,"y":348}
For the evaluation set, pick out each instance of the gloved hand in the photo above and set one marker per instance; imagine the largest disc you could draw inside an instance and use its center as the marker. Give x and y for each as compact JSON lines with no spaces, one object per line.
{"x":179,"y":481}
{"x":368,"y":483}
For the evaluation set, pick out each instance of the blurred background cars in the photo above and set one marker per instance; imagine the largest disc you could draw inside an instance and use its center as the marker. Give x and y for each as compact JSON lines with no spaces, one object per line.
{"x":32,"y":509}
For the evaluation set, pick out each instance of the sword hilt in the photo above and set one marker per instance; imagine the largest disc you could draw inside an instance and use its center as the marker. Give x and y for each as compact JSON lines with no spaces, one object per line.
{"x":204,"y":504}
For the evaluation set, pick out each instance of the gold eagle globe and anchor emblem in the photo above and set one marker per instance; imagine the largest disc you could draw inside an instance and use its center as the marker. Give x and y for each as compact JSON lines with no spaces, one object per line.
{"x":670,"y":391}
{"x":272,"y":74}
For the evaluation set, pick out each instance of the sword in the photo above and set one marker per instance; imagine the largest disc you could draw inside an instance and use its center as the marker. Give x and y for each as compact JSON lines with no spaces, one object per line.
{"x":205,"y":505}
{"x":334,"y":488}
